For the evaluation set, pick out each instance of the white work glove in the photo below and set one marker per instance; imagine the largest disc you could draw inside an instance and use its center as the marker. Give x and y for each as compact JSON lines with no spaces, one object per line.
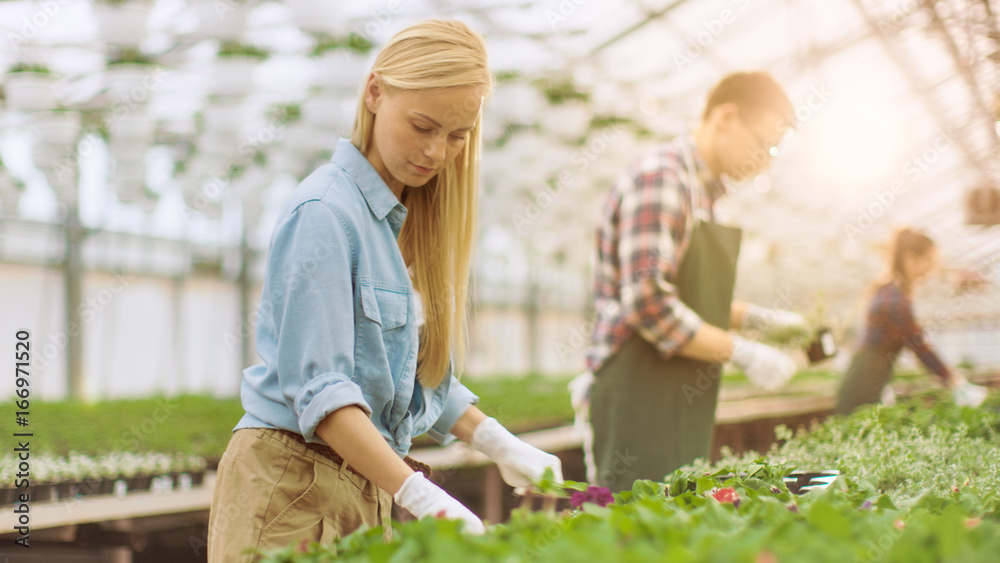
{"x":520,"y":464}
{"x":763,"y":318}
{"x":969,"y":394}
{"x":765,"y":366}
{"x":423,"y":498}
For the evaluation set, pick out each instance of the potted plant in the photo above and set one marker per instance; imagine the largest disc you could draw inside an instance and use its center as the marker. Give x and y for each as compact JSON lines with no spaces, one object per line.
{"x":30,"y":87}
{"x":221,"y":20}
{"x":516,"y":103}
{"x":318,"y":16}
{"x":234,"y":68}
{"x":130,"y":77}
{"x":122,"y":22}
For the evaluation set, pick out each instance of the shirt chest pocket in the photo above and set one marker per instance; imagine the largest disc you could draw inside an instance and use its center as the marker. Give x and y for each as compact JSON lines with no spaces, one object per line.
{"x":387,"y":308}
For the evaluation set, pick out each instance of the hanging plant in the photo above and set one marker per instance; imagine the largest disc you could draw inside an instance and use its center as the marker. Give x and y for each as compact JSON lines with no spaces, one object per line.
{"x":129,"y":55}
{"x":27,"y":67}
{"x":561,"y":90}
{"x":352,"y":42}
{"x":230,"y":48}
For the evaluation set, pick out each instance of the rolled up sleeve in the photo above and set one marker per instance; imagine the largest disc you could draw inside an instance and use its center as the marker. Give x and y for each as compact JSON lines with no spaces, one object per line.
{"x":310,"y":286}
{"x":652,"y":228}
{"x":460,"y":398}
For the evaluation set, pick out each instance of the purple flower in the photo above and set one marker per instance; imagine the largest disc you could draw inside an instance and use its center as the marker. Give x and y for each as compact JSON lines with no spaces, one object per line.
{"x":601,"y":496}
{"x":866,"y":506}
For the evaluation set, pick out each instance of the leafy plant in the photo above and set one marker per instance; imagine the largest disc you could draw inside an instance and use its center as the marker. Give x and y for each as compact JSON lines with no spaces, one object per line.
{"x":230,"y":48}
{"x":28,"y":67}
{"x":741,"y":509}
{"x":561,"y":90}
{"x":130,"y":55}
{"x":352,"y":42}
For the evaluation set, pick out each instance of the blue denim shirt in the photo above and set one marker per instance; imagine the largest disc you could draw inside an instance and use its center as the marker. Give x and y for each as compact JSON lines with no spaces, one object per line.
{"x":337,"y":321}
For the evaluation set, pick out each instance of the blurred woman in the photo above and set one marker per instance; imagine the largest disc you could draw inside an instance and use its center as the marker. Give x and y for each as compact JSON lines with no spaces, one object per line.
{"x":347,"y":379}
{"x":891,"y":326}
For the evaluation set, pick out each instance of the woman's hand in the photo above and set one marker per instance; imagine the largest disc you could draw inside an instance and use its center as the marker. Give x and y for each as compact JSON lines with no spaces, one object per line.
{"x":520,"y":464}
{"x":423,"y":498}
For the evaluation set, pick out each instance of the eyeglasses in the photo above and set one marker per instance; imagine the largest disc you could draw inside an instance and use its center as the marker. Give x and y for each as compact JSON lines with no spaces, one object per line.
{"x":772,"y":149}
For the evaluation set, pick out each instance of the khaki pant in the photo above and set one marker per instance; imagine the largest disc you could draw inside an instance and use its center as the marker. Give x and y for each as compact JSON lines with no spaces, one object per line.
{"x":272,"y":491}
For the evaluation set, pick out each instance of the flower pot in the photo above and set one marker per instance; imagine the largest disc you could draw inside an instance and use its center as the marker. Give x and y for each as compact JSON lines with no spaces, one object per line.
{"x":197,"y":477}
{"x":220,"y":20}
{"x":233,"y":76}
{"x":124,"y":152}
{"x":30,"y":91}
{"x":318,"y":16}
{"x":132,"y":128}
{"x":58,"y":128}
{"x":66,"y":490}
{"x":224,"y":120}
{"x":568,"y":121}
{"x":88,"y":487}
{"x":327,"y":113}
{"x":341,"y":70}
{"x":123,"y":26}
{"x":518,"y":103}
{"x":139,"y":483}
{"x":9,"y":495}
{"x":131,"y":84}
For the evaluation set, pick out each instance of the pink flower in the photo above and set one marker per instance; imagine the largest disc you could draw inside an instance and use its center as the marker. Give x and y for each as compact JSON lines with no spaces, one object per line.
{"x":727,"y":496}
{"x":601,"y":496}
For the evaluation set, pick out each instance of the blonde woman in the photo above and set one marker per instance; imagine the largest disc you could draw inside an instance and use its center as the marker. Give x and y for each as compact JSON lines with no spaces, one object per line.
{"x":347,"y":379}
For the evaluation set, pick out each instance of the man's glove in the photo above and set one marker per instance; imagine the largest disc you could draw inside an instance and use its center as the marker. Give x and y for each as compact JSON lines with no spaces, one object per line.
{"x":765,"y":366}
{"x":763,"y":318}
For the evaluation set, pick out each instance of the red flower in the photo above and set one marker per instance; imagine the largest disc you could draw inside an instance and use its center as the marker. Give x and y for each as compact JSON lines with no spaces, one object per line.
{"x":601,"y":496}
{"x":727,"y":496}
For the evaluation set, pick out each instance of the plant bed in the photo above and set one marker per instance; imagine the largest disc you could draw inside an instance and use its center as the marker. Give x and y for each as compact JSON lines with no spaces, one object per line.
{"x":118,"y":473}
{"x":918,"y":482}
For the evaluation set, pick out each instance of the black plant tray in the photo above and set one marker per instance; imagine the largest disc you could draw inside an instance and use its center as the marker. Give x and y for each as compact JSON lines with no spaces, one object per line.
{"x":801,"y":482}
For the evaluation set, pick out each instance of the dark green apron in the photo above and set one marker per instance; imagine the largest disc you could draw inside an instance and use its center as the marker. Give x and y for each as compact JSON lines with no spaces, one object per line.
{"x":652,"y":415}
{"x":870,"y":370}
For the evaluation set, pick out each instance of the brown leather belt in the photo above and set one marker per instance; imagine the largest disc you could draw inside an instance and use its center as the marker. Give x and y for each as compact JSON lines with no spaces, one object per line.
{"x":329,"y":453}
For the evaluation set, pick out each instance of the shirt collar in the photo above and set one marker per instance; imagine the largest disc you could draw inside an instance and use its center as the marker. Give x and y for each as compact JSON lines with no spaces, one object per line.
{"x":715,"y":187}
{"x":377,"y":194}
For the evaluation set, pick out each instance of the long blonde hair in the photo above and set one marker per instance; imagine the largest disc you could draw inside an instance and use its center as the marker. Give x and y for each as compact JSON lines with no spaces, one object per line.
{"x":440,"y":228}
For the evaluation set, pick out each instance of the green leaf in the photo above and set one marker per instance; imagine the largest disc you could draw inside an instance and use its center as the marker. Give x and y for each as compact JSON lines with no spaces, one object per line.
{"x":823,"y":515}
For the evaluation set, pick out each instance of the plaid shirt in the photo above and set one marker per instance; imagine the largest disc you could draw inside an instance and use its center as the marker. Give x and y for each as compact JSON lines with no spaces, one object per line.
{"x":891,"y":326}
{"x":642,"y":235}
